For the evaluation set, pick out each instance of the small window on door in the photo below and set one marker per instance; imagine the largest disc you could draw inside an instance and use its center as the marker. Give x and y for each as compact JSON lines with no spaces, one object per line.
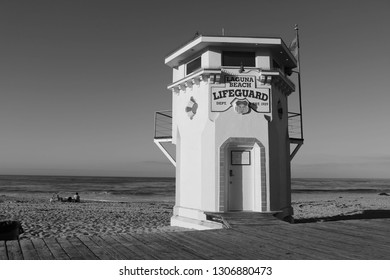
{"x":241,"y":158}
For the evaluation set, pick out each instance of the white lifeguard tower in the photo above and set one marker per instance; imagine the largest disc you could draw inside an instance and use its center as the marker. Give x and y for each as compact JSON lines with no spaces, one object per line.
{"x":230,"y":127}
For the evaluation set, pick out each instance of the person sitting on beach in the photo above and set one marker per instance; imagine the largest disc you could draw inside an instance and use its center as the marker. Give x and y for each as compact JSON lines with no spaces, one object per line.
{"x":76,"y":197}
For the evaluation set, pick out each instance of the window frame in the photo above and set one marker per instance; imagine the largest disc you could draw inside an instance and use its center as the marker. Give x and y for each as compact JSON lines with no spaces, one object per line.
{"x":195,"y":69}
{"x":253,"y":59}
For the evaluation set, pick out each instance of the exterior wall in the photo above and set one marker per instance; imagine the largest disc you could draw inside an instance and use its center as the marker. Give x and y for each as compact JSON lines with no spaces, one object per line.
{"x":211,"y":59}
{"x":229,"y":124}
{"x":203,"y":138}
{"x":280,"y":192}
{"x":194,"y":169}
{"x":198,"y":171}
{"x":263,"y":60}
{"x":179,"y":73}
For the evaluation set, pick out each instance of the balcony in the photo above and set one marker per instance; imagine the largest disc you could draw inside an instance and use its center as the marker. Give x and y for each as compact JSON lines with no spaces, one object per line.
{"x":163,"y":133}
{"x":295,"y":132}
{"x":163,"y":125}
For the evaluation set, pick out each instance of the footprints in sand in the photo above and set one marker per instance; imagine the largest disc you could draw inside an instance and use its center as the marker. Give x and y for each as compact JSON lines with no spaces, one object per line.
{"x":44,"y":219}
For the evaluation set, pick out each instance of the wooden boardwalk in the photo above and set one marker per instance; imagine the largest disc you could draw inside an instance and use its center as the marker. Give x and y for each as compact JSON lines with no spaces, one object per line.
{"x":352,"y":239}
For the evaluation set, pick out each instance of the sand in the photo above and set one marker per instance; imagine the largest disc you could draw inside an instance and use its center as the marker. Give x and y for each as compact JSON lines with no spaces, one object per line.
{"x":42,"y":218}
{"x":339,"y":205}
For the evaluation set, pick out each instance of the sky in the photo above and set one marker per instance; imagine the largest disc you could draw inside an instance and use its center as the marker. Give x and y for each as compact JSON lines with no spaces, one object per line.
{"x":80,"y":81}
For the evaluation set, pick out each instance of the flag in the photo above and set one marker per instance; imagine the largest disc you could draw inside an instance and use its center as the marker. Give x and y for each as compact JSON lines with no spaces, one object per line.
{"x":294,"y":47}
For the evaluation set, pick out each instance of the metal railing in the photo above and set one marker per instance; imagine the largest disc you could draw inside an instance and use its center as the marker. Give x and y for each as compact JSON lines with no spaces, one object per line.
{"x":163,"y":125}
{"x":294,"y":125}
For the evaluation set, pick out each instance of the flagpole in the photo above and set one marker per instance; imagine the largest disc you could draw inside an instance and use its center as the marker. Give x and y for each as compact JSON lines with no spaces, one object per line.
{"x":299,"y":78}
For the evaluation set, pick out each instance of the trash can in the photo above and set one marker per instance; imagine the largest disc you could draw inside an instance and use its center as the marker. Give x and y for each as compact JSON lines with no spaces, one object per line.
{"x":10,"y":230}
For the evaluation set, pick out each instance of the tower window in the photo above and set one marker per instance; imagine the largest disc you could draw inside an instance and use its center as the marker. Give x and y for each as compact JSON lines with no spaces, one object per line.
{"x":238,"y":59}
{"x":275,"y":64}
{"x":193,"y":65}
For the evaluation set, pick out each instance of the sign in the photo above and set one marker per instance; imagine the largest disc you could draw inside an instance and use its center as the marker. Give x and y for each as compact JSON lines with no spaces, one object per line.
{"x":241,"y":93}
{"x":241,"y":158}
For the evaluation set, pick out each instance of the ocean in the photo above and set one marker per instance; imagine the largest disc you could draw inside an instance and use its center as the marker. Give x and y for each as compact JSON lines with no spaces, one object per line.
{"x":94,"y":188}
{"x":155,"y":189}
{"x":340,"y":185}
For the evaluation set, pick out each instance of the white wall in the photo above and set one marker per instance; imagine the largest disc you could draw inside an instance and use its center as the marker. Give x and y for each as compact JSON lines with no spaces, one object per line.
{"x":198,"y":167}
{"x":198,"y":141}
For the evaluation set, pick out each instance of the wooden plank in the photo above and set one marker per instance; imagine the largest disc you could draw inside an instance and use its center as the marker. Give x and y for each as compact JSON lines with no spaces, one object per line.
{"x":232,"y":243}
{"x":348,"y":232}
{"x":376,"y":226}
{"x":99,"y":251}
{"x":380,"y":224}
{"x":113,"y":246}
{"x":163,"y":249}
{"x":203,"y":240}
{"x":117,"y":243}
{"x":357,"y":231}
{"x":237,"y":243}
{"x":155,"y":246}
{"x":298,"y":242}
{"x":134,"y":250}
{"x":265,"y":246}
{"x":107,"y":247}
{"x":82,"y":248}
{"x":353,"y":224}
{"x":28,"y":249}
{"x":180,"y":252}
{"x":141,"y":239}
{"x":13,"y":249}
{"x":372,"y":229}
{"x":70,"y":250}
{"x":313,"y":242}
{"x":56,"y":249}
{"x":177,"y":241}
{"x":41,"y":248}
{"x":205,"y":251}
{"x":351,"y":242}
{"x":332,"y":243}
{"x":272,"y":246}
{"x":211,"y":249}
{"x":3,"y":251}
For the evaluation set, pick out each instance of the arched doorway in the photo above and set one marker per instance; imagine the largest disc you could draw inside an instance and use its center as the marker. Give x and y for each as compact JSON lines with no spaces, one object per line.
{"x":242,"y":176}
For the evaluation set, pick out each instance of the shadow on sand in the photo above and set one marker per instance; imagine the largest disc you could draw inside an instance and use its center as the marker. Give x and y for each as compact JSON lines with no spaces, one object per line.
{"x":366,"y":214}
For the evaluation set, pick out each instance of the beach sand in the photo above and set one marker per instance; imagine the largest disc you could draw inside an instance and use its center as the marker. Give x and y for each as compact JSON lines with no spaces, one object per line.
{"x":42,"y":218}
{"x":339,"y":205}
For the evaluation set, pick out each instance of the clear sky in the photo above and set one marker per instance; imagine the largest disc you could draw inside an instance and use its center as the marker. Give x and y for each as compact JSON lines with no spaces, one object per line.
{"x":80,"y":81}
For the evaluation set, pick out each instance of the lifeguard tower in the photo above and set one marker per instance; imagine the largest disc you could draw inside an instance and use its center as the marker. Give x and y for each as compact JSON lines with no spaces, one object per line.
{"x":230,"y":127}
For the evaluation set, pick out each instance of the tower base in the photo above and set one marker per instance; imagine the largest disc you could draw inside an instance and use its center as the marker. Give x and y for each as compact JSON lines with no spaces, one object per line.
{"x":192,"y":218}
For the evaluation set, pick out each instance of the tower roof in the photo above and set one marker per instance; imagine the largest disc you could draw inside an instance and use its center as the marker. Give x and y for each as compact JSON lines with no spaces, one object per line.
{"x":276,"y":46}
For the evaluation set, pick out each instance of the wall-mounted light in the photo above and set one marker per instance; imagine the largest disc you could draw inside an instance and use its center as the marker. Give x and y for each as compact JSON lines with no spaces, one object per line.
{"x":241,"y":68}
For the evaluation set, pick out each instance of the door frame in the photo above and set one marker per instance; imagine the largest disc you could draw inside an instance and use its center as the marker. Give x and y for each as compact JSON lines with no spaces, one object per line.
{"x":258,"y":157}
{"x":244,"y":186}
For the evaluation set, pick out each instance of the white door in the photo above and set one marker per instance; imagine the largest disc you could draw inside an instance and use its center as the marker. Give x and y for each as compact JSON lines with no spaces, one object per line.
{"x":241,"y":180}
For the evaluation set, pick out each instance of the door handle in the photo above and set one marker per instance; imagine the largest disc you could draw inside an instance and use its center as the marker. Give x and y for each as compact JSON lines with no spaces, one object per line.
{"x":231,"y":173}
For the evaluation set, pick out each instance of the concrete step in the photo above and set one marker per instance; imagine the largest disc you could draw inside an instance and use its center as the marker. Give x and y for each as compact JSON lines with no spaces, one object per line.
{"x":244,"y":218}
